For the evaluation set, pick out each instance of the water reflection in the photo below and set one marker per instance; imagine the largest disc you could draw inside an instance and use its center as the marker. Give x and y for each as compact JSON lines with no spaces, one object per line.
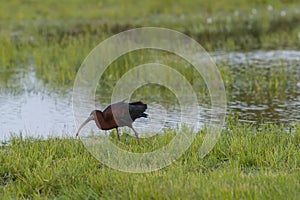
{"x":29,"y":106}
{"x":275,"y":103}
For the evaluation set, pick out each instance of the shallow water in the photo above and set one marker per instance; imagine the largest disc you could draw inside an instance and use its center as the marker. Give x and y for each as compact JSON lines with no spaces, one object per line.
{"x":281,"y":104}
{"x":27,"y":105}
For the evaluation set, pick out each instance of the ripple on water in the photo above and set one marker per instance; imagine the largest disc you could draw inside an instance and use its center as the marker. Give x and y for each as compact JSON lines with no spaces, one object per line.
{"x":37,"y":110}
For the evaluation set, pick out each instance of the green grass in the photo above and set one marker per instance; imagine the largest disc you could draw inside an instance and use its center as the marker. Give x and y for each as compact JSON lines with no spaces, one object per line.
{"x":253,"y":162}
{"x":248,"y":162}
{"x":118,"y":10}
{"x":54,"y":38}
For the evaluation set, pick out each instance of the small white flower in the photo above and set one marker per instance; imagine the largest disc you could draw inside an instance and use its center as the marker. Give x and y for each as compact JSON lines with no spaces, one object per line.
{"x":254,"y":11}
{"x":270,"y":8}
{"x":283,"y":13}
{"x":209,"y":20}
{"x":298,"y":84}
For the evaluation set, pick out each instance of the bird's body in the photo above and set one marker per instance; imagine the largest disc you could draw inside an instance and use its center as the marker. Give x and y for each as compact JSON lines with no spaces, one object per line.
{"x":117,"y":115}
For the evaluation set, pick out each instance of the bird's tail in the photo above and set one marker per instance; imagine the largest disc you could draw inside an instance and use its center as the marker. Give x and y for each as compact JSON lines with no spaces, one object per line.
{"x":137,"y":109}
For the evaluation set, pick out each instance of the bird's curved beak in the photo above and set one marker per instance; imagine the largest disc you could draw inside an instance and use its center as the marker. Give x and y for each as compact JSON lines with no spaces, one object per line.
{"x":91,"y":117}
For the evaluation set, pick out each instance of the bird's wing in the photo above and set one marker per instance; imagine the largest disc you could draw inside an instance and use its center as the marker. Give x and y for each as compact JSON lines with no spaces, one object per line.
{"x":107,"y":114}
{"x":119,"y":112}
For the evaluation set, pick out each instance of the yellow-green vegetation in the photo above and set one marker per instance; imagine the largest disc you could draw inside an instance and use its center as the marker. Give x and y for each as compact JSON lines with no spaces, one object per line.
{"x":51,"y":39}
{"x":55,"y":37}
{"x":254,"y":162}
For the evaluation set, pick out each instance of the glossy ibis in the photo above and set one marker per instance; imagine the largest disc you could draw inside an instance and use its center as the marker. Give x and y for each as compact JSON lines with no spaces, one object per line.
{"x":117,"y":115}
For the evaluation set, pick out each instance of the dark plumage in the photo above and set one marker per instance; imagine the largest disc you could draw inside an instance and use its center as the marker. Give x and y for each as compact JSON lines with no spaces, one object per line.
{"x":117,"y":115}
{"x":137,"y":109}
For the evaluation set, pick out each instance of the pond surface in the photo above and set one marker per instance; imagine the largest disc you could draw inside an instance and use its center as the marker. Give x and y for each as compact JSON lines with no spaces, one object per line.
{"x":27,"y":105}
{"x":276,"y":103}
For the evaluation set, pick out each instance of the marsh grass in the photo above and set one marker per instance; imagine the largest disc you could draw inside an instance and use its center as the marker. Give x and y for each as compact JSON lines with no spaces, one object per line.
{"x":247,"y":162}
{"x":252,"y":83}
{"x":55,"y":39}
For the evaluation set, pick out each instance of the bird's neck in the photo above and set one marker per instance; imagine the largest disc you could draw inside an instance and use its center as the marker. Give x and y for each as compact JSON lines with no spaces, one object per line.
{"x":99,"y":119}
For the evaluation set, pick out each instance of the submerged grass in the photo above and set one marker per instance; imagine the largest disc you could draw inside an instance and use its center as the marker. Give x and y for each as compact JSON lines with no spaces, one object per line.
{"x":247,"y":162}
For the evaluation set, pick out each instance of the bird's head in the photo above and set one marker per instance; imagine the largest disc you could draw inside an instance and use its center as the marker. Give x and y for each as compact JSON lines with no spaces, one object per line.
{"x":91,"y":117}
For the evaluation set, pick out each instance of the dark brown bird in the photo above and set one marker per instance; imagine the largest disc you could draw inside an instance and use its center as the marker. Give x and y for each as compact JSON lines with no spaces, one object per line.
{"x":117,"y":115}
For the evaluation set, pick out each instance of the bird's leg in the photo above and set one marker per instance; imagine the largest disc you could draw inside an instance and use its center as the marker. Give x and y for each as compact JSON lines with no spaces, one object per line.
{"x":136,"y":135}
{"x":118,"y":134}
{"x":126,"y":137}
